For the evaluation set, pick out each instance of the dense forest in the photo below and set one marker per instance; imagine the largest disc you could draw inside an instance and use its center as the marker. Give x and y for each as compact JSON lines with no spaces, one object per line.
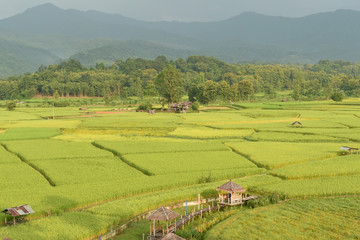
{"x":205,"y":79}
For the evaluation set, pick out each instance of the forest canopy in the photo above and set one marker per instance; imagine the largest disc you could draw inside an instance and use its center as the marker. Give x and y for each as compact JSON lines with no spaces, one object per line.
{"x":205,"y":79}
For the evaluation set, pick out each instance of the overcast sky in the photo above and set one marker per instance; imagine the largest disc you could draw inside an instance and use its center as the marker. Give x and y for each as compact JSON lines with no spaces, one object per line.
{"x":187,"y":10}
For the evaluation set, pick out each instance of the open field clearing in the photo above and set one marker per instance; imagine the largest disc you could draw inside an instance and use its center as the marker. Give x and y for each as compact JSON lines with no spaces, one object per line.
{"x":86,"y":170}
{"x":326,"y":186}
{"x":132,"y":120}
{"x":160,"y":146}
{"x":206,"y":132}
{"x":28,"y":133}
{"x":82,"y":175}
{"x":291,"y":137}
{"x":279,"y":154}
{"x":55,"y":149}
{"x":300,"y":219}
{"x":342,"y":165}
{"x":42,"y":123}
{"x":160,"y":163}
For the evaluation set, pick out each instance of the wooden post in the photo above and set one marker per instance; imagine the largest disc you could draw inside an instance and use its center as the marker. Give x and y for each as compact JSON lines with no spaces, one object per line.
{"x":150,"y":228}
{"x":14,"y":221}
{"x":198,"y":201}
{"x":154,"y":228}
{"x":143,"y":236}
{"x":5,"y":219}
{"x":183,"y":223}
{"x":209,"y":209}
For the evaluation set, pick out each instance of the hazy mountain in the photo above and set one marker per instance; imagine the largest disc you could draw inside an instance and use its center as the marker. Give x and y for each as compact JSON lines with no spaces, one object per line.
{"x":93,"y":36}
{"x":130,"y":49}
{"x":16,"y":58}
{"x":48,"y":19}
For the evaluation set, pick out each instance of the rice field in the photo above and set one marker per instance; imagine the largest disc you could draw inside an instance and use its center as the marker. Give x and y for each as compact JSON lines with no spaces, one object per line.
{"x":300,"y":219}
{"x":82,"y":175}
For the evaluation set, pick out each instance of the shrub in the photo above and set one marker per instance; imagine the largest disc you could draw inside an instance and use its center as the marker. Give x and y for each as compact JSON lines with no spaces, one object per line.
{"x":337,"y":97}
{"x":145,"y":107}
{"x":195,"y":106}
{"x":10,"y":106}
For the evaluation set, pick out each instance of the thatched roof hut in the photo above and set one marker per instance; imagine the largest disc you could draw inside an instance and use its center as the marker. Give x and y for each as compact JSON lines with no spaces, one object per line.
{"x":162,"y":214}
{"x":171,"y":236}
{"x":231,"y":187}
{"x":231,"y":193}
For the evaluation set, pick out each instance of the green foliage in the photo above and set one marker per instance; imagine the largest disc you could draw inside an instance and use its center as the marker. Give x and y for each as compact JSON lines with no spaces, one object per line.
{"x":195,"y":106}
{"x":169,"y":84}
{"x":205,"y":79}
{"x":337,"y":97}
{"x":10,"y":106}
{"x":145,"y":107}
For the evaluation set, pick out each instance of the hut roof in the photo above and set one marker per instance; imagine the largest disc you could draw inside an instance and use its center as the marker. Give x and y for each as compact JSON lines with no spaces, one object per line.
{"x":171,"y":236}
{"x":162,"y":214}
{"x":19,"y":210}
{"x":231,"y":187}
{"x":296,"y":123}
{"x":348,"y":148}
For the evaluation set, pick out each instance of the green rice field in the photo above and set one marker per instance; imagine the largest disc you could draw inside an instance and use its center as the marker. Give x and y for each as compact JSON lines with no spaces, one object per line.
{"x":85,"y":172}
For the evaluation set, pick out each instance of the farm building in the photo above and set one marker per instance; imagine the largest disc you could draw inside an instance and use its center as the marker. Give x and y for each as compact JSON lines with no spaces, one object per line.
{"x":19,"y":211}
{"x":161,"y":214}
{"x":350,"y":150}
{"x":179,"y":107}
{"x":231,"y":194}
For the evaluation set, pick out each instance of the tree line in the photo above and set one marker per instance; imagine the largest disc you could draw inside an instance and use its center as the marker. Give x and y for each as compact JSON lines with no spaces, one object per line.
{"x":203,"y":79}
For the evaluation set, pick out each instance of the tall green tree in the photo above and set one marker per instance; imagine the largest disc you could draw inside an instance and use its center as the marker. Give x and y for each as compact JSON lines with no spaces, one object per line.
{"x":246,"y":88}
{"x":169,"y":84}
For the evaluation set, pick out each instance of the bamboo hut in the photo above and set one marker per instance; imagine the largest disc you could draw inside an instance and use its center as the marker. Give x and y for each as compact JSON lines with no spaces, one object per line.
{"x":161,"y":214}
{"x":231,"y":194}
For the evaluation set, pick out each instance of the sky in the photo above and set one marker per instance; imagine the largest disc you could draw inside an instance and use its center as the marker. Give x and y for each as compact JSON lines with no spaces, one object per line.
{"x":187,"y":10}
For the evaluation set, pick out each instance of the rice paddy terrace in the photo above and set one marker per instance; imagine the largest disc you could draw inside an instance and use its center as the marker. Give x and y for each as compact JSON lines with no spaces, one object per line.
{"x":83,"y":174}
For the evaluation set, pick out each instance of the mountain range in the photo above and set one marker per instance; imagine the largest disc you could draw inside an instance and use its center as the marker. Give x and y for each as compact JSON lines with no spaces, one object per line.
{"x":46,"y":34}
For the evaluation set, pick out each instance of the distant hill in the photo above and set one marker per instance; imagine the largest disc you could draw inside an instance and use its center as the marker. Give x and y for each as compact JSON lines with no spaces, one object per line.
{"x":16,"y":58}
{"x":129,"y":49}
{"x":92,"y":36}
